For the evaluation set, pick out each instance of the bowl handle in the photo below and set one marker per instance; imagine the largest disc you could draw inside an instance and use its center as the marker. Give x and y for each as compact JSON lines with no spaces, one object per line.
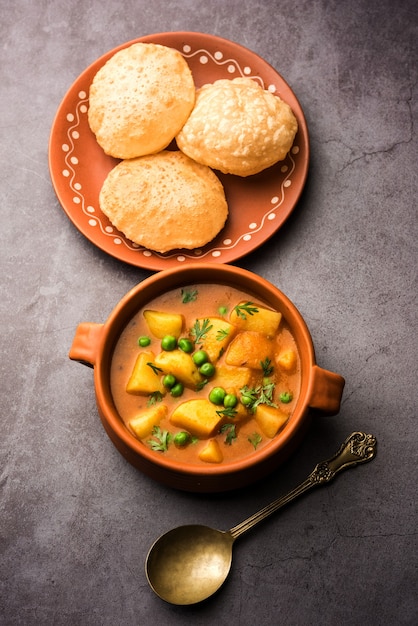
{"x":327,"y":391}
{"x":85,"y":343}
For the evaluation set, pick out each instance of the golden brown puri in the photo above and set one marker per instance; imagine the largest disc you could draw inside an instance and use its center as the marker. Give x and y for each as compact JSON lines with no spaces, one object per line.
{"x":164,"y":201}
{"x":140,"y":99}
{"x":237,"y":127}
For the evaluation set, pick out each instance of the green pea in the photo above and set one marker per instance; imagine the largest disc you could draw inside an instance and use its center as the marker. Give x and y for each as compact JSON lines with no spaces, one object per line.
{"x":207,"y":369}
{"x":246,"y":400}
{"x":144,"y":341}
{"x":177,"y":390}
{"x":186,"y":345}
{"x":182,"y":438}
{"x":286,"y":397}
{"x":230,"y":401}
{"x":222,"y":310}
{"x":217,"y":395}
{"x":169,"y":381}
{"x":169,"y":343}
{"x":200,"y":357}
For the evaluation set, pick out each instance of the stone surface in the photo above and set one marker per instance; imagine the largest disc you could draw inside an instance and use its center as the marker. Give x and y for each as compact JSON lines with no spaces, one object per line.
{"x":76,"y":519}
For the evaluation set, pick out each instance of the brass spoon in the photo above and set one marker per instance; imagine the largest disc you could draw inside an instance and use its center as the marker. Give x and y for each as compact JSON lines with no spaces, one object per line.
{"x":190,"y":563}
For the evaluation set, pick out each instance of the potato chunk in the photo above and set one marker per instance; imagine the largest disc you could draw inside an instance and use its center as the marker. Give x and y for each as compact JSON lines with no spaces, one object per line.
{"x":161,"y":324}
{"x":270,"y":419}
{"x":217,"y":338}
{"x":231,"y":377}
{"x":181,"y":365}
{"x":287,"y":360}
{"x":144,"y":380}
{"x":265,"y":321}
{"x":199,"y":417}
{"x":211,"y":453}
{"x":249,"y":349}
{"x":142,"y":424}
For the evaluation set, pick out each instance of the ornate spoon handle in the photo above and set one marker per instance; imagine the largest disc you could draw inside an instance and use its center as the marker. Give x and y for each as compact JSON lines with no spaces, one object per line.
{"x":357,"y":448}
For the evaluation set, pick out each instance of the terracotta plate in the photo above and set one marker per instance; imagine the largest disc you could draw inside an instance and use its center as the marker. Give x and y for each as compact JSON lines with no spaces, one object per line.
{"x":258,"y":204}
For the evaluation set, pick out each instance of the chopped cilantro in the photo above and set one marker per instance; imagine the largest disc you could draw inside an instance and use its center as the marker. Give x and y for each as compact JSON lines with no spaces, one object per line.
{"x":200,"y":330}
{"x":230,"y":431}
{"x":157,"y":370}
{"x":188,"y":296}
{"x":155,"y":397}
{"x":161,"y":439}
{"x":227,"y":412}
{"x":263,"y":394}
{"x":266,"y":367}
{"x":201,"y":384}
{"x":244,"y":309}
{"x":248,"y":396}
{"x":255,"y":439}
{"x":222,"y":334}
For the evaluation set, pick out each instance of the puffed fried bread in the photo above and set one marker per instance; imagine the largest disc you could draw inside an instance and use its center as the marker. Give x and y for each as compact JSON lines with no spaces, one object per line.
{"x":164,"y":201}
{"x":139,"y":100}
{"x":237,"y":127}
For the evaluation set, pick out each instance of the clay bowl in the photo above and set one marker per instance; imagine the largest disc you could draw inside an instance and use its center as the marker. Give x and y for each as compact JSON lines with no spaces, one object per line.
{"x":321,"y":390}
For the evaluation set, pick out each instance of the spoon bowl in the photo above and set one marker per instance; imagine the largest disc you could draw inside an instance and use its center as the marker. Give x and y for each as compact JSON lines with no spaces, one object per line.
{"x":190,"y":563}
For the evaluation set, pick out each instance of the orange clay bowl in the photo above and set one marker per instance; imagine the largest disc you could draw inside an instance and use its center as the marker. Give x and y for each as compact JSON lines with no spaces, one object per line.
{"x":320,"y":390}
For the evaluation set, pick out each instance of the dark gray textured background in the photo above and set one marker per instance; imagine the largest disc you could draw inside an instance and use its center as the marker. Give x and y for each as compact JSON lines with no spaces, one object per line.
{"x":76,"y":521}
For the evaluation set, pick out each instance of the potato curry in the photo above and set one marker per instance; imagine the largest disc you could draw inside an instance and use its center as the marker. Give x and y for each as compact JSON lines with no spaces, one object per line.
{"x":205,"y":374}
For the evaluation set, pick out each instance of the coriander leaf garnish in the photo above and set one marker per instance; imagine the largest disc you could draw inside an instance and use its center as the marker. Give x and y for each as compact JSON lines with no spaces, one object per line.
{"x":244,"y":309}
{"x":248,"y":396}
{"x":222,"y":334}
{"x":263,"y":394}
{"x":188,"y":296}
{"x":157,"y":370}
{"x":161,"y":439}
{"x":255,"y":439}
{"x":268,"y":390}
{"x":227,"y":412}
{"x":266,"y":367}
{"x":200,"y":330}
{"x":155,"y":397}
{"x":230,"y":431}
{"x":266,"y":394}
